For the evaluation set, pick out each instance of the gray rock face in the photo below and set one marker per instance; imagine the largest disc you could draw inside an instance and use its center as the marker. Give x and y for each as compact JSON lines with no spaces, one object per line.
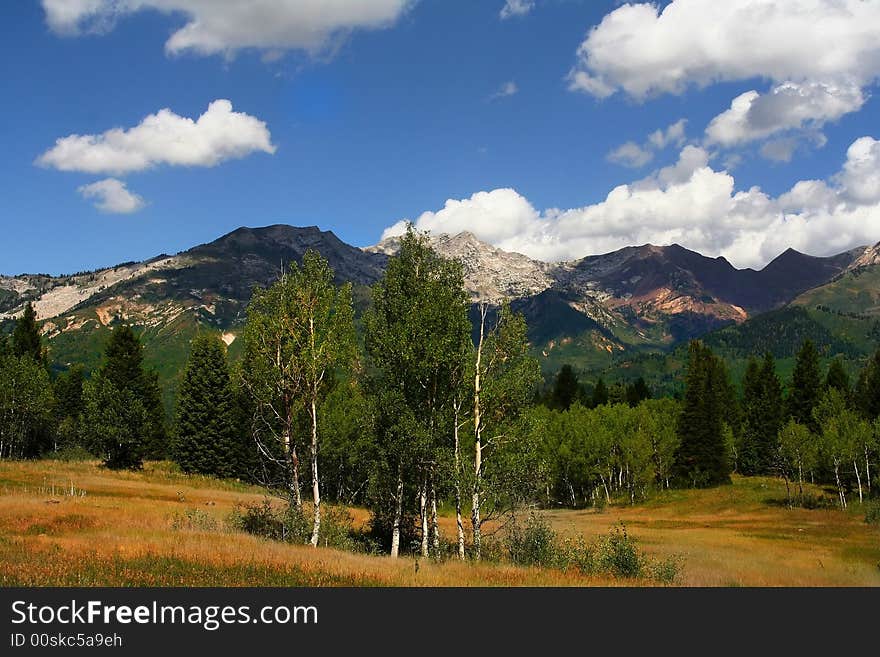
{"x":490,"y":274}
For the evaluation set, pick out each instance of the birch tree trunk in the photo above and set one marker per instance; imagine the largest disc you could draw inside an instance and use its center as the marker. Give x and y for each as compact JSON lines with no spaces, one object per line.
{"x":398,"y":513}
{"x":840,"y":492}
{"x":458,"y":521}
{"x":476,"y":522}
{"x":423,"y":515}
{"x":316,"y":489}
{"x":858,"y":480}
{"x":435,"y":527}
{"x":293,"y":464}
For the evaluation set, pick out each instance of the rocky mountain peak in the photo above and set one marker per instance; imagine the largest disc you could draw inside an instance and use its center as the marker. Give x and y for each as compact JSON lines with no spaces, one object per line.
{"x":870,"y":256}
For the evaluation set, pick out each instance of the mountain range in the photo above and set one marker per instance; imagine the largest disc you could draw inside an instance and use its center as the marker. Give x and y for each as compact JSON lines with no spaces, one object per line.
{"x":592,"y":312}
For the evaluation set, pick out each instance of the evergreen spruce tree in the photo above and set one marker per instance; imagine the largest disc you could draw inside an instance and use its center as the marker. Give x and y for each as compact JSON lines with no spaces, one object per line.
{"x":600,"y":394}
{"x":838,"y":379}
{"x":867,"y":392}
{"x":762,"y":417}
{"x":806,"y":386}
{"x":69,"y":406}
{"x":565,"y":388}
{"x":124,"y":369}
{"x":205,"y":429}
{"x":637,"y":392}
{"x":702,"y":458}
{"x":26,"y":336}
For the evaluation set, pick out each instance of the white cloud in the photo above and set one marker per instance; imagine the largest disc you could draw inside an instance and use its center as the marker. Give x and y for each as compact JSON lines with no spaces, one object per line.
{"x":112,"y":196}
{"x":642,"y":50}
{"x":516,"y":8}
{"x":688,"y":203}
{"x":788,"y":106}
{"x":630,"y":154}
{"x":225,"y":26}
{"x":674,"y":134}
{"x":505,"y":90}
{"x":635,"y":156}
{"x":163,"y":138}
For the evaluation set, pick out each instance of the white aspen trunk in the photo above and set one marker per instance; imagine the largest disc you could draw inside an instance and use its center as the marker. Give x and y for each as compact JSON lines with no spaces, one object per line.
{"x":867,"y":471}
{"x":605,"y":486}
{"x":293,"y":463}
{"x":459,"y":526}
{"x":858,"y":480}
{"x":435,"y":526}
{"x":476,"y":521}
{"x":840,"y":492}
{"x":316,"y":489}
{"x":398,"y":513}
{"x":423,"y":515}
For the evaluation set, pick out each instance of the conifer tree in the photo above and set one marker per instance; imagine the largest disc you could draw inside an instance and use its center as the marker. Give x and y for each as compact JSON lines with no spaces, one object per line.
{"x":565,"y":388}
{"x":600,"y":394}
{"x":204,"y":437}
{"x":123,"y":370}
{"x":867,"y":392}
{"x":762,"y":418}
{"x":838,"y":379}
{"x":702,"y":458}
{"x":806,"y":386}
{"x":26,"y":336}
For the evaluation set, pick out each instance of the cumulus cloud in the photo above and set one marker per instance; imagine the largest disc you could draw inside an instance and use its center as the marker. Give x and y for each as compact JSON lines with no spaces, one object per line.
{"x":226,"y":26}
{"x":819,"y":56}
{"x":516,"y":8}
{"x":111,"y":196}
{"x":630,"y":154}
{"x":163,"y":138}
{"x":788,"y":106}
{"x":688,"y":203}
{"x":644,"y":50}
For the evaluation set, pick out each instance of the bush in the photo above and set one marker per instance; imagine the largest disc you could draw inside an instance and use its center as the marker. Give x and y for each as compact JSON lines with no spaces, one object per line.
{"x":72,"y":453}
{"x":293,"y":525}
{"x":872,"y":513}
{"x":617,"y":554}
{"x":259,"y":519}
{"x":533,"y":544}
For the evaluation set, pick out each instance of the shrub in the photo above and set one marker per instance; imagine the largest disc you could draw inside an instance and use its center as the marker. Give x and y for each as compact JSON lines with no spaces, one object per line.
{"x":872,"y":513}
{"x":259,"y":519}
{"x":533,"y":544}
{"x":293,"y":525}
{"x":618,"y":555}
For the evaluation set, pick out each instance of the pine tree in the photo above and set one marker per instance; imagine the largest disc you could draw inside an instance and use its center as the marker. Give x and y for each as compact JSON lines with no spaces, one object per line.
{"x":124,"y":369}
{"x":204,"y":437}
{"x":26,"y":336}
{"x":838,"y":379}
{"x":867,"y":392}
{"x":806,"y":386}
{"x":565,"y":388}
{"x":637,"y":392}
{"x":762,"y":418}
{"x":69,"y":406}
{"x":702,"y":458}
{"x":600,"y":394}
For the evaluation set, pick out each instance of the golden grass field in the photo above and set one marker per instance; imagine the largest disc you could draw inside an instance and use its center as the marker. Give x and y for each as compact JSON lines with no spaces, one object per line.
{"x":125,"y":530}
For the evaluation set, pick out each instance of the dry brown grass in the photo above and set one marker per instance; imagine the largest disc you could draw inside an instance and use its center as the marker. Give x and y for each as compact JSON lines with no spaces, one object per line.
{"x":123,"y":532}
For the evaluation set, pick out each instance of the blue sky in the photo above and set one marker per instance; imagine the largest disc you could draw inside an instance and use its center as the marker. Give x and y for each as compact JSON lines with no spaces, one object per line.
{"x":387,"y":122}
